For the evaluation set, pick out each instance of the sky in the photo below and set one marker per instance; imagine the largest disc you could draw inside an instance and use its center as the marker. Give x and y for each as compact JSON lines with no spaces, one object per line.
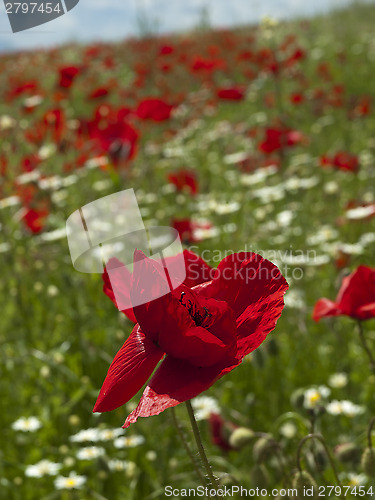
{"x":93,"y":20}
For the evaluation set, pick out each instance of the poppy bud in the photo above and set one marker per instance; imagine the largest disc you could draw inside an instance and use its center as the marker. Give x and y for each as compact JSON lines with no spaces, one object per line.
{"x":259,"y":477}
{"x":302,"y":481}
{"x":262,"y":449}
{"x":368,"y":462}
{"x":240,"y":437}
{"x":347,"y":452}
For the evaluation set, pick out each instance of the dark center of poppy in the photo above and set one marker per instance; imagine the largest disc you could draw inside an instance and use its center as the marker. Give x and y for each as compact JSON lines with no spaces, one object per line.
{"x":198,"y":313}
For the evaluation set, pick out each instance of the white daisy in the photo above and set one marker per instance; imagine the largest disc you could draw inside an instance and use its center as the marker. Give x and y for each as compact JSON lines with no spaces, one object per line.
{"x":315,"y":396}
{"x":338,"y":380}
{"x":90,"y":453}
{"x":128,"y":441}
{"x":85,"y":435}
{"x":27,"y":424}
{"x":73,"y":481}
{"x":288,"y":430}
{"x":120,"y":465}
{"x":203,"y":407}
{"x":109,"y":434}
{"x":42,"y":468}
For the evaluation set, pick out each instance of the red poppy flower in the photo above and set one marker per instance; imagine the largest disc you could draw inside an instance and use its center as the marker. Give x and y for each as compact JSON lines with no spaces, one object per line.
{"x":154,"y":109}
{"x":203,"y":332}
{"x":99,"y":92}
{"x":118,"y":139}
{"x":35,"y":219}
{"x":67,"y":76}
{"x":342,"y":161}
{"x":184,"y":178}
{"x":277,"y":139}
{"x":220,"y":431}
{"x":231,"y":93}
{"x":356,"y":297}
{"x":197,"y":271}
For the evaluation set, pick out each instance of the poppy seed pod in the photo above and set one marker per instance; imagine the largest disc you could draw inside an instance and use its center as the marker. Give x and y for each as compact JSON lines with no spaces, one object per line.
{"x":240,"y":437}
{"x":347,"y":452}
{"x":368,"y":462}
{"x":263,"y":448}
{"x":302,"y":481}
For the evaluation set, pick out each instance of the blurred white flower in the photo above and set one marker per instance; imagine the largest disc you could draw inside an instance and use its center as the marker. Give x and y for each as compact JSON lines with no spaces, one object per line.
{"x":91,"y":434}
{"x":27,"y":424}
{"x":345,"y":407}
{"x":90,"y":453}
{"x":109,"y":434}
{"x":353,"y":479}
{"x":7,"y":122}
{"x":203,"y":407}
{"x":119,"y":465}
{"x":46,"y":151}
{"x":331,"y":187}
{"x":288,"y":430}
{"x":314,"y":396}
{"x":128,"y":441}
{"x":360,"y":212}
{"x":73,"y":481}
{"x":338,"y":380}
{"x":294,"y":299}
{"x":42,"y":468}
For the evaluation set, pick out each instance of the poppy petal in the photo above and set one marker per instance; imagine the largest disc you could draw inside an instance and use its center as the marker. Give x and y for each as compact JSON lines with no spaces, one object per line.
{"x":174,"y":382}
{"x":120,"y":280}
{"x":129,"y":371}
{"x":325,"y":308}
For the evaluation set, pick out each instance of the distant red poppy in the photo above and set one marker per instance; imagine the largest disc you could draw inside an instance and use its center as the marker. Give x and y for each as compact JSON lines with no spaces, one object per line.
{"x":277,"y":139}
{"x":220,"y":431}
{"x":117,"y":138}
{"x":99,"y":92}
{"x":184,"y":178}
{"x":154,"y":109}
{"x":34,"y":219}
{"x":356,"y":297}
{"x":67,"y":76}
{"x":342,"y":161}
{"x":203,"y":332}
{"x":231,"y":93}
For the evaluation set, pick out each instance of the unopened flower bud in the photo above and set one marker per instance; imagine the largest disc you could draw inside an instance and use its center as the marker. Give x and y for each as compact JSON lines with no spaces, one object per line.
{"x":303,"y":481}
{"x":368,"y":462}
{"x":347,"y":452}
{"x":262,"y":449}
{"x":240,"y":437}
{"x":259,"y":477}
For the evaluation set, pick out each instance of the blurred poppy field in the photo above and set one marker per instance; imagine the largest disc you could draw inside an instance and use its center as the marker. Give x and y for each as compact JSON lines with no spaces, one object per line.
{"x":257,"y":139}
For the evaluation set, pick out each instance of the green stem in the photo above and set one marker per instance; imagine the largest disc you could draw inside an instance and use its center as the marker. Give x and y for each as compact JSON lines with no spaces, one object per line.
{"x":320,"y":438}
{"x":187,"y":447}
{"x":365,"y":345}
{"x":198,"y":441}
